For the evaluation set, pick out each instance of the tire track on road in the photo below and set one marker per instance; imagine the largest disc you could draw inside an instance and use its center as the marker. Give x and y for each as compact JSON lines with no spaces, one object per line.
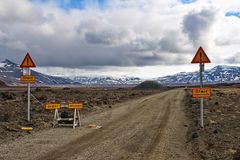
{"x":83,"y":143}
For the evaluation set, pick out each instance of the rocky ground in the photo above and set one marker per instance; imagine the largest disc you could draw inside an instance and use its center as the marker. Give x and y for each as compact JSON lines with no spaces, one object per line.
{"x":2,"y":84}
{"x":146,"y":128}
{"x":13,"y":105}
{"x":220,"y":138}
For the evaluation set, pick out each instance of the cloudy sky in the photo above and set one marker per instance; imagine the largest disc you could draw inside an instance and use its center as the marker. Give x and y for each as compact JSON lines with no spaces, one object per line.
{"x":144,"y":38}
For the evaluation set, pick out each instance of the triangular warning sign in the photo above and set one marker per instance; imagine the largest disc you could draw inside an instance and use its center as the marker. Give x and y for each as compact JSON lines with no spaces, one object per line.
{"x":201,"y":57}
{"x":27,"y":62}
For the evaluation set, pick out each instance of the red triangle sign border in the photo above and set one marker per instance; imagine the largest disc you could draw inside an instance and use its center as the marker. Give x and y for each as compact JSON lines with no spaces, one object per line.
{"x":30,"y":58}
{"x":195,"y":57}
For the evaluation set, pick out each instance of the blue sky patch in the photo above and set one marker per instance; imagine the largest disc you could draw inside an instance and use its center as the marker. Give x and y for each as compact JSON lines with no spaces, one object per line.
{"x":235,"y":14}
{"x":188,"y":1}
{"x":76,"y":4}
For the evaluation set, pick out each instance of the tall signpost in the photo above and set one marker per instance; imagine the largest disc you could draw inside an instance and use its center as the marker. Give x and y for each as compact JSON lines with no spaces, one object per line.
{"x":26,"y":64}
{"x":201,"y":58}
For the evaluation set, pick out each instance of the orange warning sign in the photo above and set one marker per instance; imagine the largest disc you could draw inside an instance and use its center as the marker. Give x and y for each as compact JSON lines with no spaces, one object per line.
{"x":201,"y":92}
{"x":50,"y":106}
{"x":201,"y":57}
{"x":27,"y":62}
{"x":27,"y":79}
{"x":75,"y":105}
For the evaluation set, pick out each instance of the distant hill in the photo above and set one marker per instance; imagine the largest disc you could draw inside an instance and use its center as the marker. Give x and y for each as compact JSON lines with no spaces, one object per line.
{"x":107,"y":80}
{"x":216,"y":75}
{"x":2,"y":84}
{"x":10,"y":73}
{"x":149,"y":84}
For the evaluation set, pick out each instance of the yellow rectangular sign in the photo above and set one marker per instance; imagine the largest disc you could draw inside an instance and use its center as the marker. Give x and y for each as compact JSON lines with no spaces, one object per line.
{"x":201,"y":92}
{"x":75,"y":105}
{"x":52,"y":106}
{"x":27,"y":79}
{"x":26,"y":128}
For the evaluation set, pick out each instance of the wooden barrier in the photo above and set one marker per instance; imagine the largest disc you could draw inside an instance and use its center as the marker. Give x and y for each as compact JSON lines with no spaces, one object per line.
{"x":64,"y":121}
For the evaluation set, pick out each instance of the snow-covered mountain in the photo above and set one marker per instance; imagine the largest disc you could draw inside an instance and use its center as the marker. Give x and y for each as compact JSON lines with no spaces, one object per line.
{"x":218,"y":74}
{"x":106,"y":80}
{"x":11,"y":72}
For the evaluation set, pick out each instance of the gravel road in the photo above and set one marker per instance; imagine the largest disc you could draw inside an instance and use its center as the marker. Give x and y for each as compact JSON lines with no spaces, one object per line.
{"x":151,"y":128}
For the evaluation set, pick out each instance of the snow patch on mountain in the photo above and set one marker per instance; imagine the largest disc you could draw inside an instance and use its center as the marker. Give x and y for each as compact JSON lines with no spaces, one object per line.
{"x":218,"y":74}
{"x":10,"y":73}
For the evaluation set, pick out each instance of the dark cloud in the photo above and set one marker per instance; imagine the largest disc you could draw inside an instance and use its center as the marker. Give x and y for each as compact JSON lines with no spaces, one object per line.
{"x":107,"y":36}
{"x":93,"y":55}
{"x":197,"y":24}
{"x":226,"y":41}
{"x":88,"y":37}
{"x":171,"y":43}
{"x":77,"y":53}
{"x":234,"y":59}
{"x":97,"y":38}
{"x":13,"y":12}
{"x":222,"y":42}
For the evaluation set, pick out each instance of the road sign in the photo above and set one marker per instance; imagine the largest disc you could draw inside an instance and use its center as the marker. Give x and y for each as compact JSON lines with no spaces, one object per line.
{"x":201,"y":92}
{"x":201,"y":57}
{"x":26,"y":128}
{"x":75,"y":105}
{"x":50,"y":106}
{"x":27,"y":62}
{"x":27,"y":79}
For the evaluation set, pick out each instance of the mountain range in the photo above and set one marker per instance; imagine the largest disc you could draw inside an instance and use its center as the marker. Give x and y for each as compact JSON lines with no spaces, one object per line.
{"x":216,"y":75}
{"x":10,"y":73}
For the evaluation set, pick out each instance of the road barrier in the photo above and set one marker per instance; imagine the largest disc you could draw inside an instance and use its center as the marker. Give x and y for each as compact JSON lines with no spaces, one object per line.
{"x":64,"y":119}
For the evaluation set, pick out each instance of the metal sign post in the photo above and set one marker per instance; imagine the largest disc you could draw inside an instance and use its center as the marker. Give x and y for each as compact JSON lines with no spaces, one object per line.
{"x":26,"y":64}
{"x":29,"y":89}
{"x":27,"y":72}
{"x":201,"y":100}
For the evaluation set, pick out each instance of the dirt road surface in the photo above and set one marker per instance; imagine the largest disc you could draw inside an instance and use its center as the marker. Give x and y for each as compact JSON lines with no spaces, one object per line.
{"x":151,"y":128}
